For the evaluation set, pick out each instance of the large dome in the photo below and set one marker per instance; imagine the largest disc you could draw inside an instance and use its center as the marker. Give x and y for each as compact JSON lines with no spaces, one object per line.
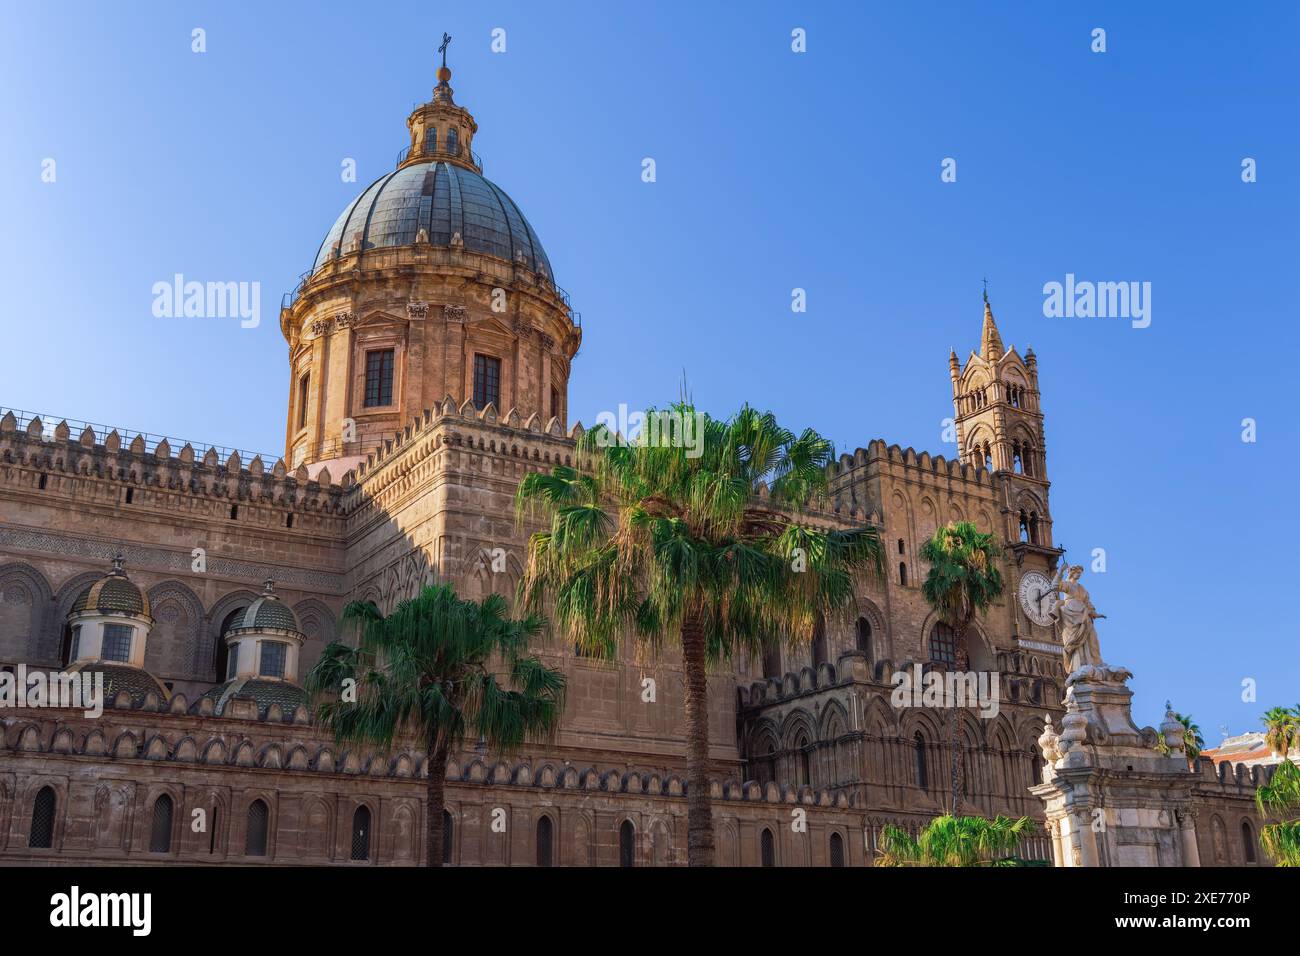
{"x":443,"y":199}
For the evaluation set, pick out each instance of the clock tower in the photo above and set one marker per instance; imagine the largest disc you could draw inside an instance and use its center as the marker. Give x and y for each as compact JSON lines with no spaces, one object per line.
{"x":999,"y":424}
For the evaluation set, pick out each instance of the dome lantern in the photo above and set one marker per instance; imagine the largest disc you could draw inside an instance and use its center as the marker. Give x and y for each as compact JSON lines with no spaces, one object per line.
{"x":441,"y":130}
{"x":110,"y":621}
{"x":264,"y":640}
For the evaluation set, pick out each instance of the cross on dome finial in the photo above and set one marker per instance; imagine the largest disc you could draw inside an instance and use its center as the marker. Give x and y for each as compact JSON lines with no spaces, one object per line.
{"x":444,"y":74}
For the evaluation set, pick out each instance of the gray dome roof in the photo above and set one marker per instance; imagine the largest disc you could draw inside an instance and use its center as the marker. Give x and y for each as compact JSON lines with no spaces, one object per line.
{"x":442,"y":199}
{"x":268,"y":611}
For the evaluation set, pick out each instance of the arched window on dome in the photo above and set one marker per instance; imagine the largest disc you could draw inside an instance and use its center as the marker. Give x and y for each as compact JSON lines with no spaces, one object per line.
{"x":431,"y":140}
{"x":274,"y":655}
{"x":361,"y":833}
{"x":224,"y":662}
{"x":160,"y":829}
{"x":44,"y":807}
{"x":73,"y":645}
{"x":453,"y":141}
{"x":255,"y":832}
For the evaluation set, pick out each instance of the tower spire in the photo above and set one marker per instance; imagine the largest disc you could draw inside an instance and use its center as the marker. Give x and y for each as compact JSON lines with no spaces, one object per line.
{"x":990,"y":341}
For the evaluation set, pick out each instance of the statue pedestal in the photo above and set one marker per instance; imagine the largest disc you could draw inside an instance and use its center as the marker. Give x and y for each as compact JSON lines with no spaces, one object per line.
{"x":1112,"y":798}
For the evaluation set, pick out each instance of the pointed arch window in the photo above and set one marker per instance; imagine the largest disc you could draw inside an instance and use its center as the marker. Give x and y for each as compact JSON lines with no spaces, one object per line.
{"x":772,"y":662}
{"x":837,"y":850}
{"x":864,"y":636}
{"x":160,"y":830}
{"x":767,"y":847}
{"x":545,"y":841}
{"x":361,"y":833}
{"x":802,"y":763}
{"x":1248,"y":840}
{"x":41,"y":834}
{"x":819,"y":642}
{"x":922,"y":774}
{"x":255,"y":835}
{"x":448,"y":831}
{"x":943,"y":646}
{"x":627,"y":844}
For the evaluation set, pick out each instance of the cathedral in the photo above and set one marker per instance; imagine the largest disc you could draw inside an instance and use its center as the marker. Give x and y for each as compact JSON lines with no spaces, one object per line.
{"x":430,"y":351}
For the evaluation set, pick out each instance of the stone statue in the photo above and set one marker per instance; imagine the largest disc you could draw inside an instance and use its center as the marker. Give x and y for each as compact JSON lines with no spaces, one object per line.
{"x":1075,"y":613}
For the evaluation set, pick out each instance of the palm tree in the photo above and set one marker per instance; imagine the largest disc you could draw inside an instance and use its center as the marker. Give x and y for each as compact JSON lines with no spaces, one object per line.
{"x":426,"y":671}
{"x":682,"y":538}
{"x":963,"y":580}
{"x":1193,"y":742}
{"x":957,"y":841}
{"x":1280,"y":797}
{"x":1282,"y":729}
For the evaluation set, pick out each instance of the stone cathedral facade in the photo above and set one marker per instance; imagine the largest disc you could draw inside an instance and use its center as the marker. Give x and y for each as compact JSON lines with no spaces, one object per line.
{"x":429,"y":356}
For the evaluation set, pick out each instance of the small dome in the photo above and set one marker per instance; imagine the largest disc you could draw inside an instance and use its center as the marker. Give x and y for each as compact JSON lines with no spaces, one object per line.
{"x":113,"y":593}
{"x":265,"y":692}
{"x":268,"y":612}
{"x":121,"y":677}
{"x":443,"y":200}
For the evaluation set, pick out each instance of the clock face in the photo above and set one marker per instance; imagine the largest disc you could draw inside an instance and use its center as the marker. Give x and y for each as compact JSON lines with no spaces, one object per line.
{"x":1037,"y":598}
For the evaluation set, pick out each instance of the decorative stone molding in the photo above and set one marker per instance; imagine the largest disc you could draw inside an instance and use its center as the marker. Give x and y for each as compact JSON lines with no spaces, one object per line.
{"x":455,"y":313}
{"x":417,"y":311}
{"x":157,"y":559}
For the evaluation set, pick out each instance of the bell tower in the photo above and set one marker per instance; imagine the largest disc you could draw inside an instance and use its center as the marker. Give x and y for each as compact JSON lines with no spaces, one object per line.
{"x":999,"y":424}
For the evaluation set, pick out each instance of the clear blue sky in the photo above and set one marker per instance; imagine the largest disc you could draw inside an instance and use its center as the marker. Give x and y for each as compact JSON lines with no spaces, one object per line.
{"x":775,"y":171}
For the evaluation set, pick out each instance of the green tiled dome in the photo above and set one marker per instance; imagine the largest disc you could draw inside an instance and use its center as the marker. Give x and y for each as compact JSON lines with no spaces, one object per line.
{"x":264,"y":692}
{"x":120,"y":677}
{"x":113,"y":593}
{"x":268,"y":612}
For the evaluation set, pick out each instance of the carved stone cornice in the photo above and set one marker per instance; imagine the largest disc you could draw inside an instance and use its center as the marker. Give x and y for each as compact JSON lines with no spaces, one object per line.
{"x":162,"y":560}
{"x":455,"y":313}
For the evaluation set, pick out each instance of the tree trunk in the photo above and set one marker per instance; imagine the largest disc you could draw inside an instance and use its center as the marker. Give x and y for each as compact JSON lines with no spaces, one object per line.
{"x":954,"y":735}
{"x":699,"y":808}
{"x":434,"y":802}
